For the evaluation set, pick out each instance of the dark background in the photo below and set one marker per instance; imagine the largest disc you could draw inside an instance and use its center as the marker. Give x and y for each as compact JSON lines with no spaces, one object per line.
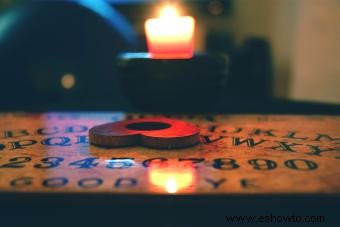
{"x":44,"y":43}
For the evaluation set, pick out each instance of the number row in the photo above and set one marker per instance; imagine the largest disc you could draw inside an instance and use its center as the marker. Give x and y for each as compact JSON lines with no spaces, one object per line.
{"x":124,"y":163}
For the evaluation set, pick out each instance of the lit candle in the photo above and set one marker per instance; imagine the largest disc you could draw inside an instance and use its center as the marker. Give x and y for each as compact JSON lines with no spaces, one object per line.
{"x":170,"y":36}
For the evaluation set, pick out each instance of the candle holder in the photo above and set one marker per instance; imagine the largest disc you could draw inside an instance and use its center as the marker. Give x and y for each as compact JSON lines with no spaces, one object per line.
{"x":172,"y":85}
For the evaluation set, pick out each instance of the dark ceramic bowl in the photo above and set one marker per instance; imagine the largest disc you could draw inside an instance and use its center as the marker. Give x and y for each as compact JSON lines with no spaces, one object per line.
{"x":176,"y":85}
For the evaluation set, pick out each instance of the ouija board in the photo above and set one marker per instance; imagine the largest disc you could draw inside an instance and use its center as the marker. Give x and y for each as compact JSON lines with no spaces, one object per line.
{"x":237,"y":154}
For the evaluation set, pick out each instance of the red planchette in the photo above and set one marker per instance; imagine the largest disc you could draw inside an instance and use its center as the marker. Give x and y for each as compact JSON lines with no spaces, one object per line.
{"x":162,"y":133}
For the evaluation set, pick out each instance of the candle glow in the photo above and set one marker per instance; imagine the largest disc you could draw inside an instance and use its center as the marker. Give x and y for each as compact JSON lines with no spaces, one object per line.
{"x":170,"y":36}
{"x":173,"y":177}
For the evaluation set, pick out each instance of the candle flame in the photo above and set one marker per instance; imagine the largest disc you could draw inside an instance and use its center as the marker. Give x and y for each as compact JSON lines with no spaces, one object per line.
{"x":171,"y":185}
{"x":168,"y":12}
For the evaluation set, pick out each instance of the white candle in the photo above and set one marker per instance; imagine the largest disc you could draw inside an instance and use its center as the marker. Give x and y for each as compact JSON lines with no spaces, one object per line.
{"x":170,"y":36}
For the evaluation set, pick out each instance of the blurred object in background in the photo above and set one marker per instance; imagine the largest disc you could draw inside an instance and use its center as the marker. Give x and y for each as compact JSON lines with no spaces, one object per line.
{"x":304,"y":36}
{"x":61,"y":55}
{"x":316,"y":56}
{"x":251,"y":71}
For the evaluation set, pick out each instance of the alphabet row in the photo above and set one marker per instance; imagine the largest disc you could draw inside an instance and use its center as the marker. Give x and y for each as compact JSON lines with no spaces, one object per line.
{"x":60,"y":141}
{"x":44,"y":131}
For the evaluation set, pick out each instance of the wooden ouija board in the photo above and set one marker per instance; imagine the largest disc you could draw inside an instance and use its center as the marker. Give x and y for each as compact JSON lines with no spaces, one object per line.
{"x":237,"y":154}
